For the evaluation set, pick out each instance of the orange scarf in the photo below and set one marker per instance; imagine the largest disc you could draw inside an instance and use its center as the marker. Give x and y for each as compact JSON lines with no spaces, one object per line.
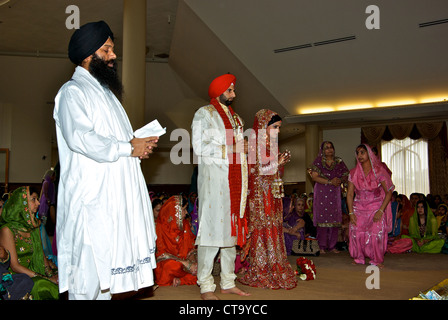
{"x":174,"y":235}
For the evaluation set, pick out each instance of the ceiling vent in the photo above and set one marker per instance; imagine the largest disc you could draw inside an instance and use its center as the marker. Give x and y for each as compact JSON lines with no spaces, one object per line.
{"x":432,"y":23}
{"x":303,"y":46}
{"x":315,"y":44}
{"x":321,"y":43}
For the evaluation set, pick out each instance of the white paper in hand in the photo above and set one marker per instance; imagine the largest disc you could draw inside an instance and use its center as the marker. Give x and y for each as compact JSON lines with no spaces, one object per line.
{"x":152,"y":129}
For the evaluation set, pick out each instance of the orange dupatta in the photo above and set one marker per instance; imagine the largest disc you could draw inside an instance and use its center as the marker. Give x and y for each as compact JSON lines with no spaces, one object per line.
{"x":175,"y":242}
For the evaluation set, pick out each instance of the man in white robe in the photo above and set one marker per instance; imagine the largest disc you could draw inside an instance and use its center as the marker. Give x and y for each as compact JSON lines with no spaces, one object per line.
{"x":105,"y":227}
{"x":219,"y":229}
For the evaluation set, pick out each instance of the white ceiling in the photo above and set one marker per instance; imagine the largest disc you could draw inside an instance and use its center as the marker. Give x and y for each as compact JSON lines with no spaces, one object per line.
{"x":400,"y":61}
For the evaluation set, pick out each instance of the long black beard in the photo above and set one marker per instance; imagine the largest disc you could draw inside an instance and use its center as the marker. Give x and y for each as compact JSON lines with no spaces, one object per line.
{"x":106,"y":76}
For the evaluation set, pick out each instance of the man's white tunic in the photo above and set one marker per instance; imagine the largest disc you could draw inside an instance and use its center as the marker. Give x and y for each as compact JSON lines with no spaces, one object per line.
{"x":209,"y":144}
{"x":102,"y":198}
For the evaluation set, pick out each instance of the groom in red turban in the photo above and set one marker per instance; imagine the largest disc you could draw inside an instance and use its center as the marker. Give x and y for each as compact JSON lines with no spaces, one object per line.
{"x":222,"y":186}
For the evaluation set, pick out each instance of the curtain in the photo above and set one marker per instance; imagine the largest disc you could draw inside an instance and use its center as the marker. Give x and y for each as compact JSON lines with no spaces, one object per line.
{"x":436,"y":135}
{"x":408,"y":161}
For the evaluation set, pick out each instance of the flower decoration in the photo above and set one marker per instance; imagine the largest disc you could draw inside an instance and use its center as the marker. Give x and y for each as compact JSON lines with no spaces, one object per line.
{"x":306,"y":270}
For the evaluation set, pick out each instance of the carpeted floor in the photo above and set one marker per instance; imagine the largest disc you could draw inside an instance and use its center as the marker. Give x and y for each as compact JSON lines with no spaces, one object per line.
{"x":403,"y":277}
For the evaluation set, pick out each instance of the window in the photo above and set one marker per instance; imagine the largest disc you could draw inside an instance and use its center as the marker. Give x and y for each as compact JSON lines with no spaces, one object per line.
{"x":408,"y":161}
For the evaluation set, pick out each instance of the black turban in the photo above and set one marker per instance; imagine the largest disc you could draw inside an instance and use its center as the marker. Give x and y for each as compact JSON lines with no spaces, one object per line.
{"x":87,"y":40}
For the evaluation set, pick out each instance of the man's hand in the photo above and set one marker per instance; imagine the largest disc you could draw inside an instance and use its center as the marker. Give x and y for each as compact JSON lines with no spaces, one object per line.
{"x":143,"y":147}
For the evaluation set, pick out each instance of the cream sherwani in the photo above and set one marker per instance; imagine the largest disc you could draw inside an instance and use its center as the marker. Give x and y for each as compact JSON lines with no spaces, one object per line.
{"x":103,"y":202}
{"x":209,"y":144}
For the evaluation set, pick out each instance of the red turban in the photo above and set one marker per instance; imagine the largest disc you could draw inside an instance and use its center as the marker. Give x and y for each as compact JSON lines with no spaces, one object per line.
{"x":220,"y":85}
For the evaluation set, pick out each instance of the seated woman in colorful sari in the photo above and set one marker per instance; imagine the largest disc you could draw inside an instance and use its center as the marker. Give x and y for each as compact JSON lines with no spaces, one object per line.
{"x":442,"y":216}
{"x":176,"y":253}
{"x":405,"y":211}
{"x":20,"y":235}
{"x":297,"y":225}
{"x":423,"y":230}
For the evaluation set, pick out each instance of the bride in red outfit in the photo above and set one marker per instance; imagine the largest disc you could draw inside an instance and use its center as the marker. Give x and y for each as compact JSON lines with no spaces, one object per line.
{"x":176,"y":254}
{"x":269,"y":265}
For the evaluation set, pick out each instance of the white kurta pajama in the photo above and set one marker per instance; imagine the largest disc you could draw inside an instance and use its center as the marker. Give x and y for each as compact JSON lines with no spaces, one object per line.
{"x":214,"y":233}
{"x":103,"y":200}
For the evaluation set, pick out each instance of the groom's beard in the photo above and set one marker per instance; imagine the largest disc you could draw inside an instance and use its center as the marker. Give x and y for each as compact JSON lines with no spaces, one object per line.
{"x":224,"y":100}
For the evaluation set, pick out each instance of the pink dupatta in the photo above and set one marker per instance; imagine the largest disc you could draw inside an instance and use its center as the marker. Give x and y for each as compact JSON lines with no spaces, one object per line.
{"x":360,"y":182}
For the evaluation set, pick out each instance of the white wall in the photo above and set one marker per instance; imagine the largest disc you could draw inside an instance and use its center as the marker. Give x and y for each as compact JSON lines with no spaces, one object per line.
{"x":345,"y":142}
{"x":28,"y":86}
{"x":167,"y":92}
{"x":295,"y":170}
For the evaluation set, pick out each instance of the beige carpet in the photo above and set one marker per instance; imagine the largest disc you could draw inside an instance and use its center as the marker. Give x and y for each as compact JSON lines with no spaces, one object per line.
{"x":403,"y":277}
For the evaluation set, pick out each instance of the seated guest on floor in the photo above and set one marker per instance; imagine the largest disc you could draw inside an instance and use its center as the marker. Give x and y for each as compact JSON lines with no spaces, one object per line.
{"x":405,"y":212}
{"x":441,"y":215}
{"x":297,"y":225}
{"x":176,"y":254}
{"x":20,"y":235}
{"x":423,"y":230}
{"x":13,"y":286}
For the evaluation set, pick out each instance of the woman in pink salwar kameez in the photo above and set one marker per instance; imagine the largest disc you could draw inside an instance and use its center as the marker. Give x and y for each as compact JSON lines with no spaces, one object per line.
{"x":370,"y":211}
